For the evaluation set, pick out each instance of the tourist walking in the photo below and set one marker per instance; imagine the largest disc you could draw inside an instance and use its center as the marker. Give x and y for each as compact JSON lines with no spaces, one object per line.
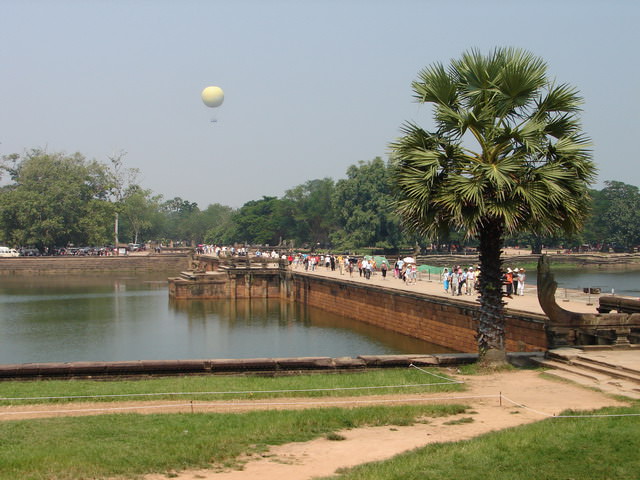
{"x":368,"y":268}
{"x":521,"y":277}
{"x":413,"y":274}
{"x":445,"y":280}
{"x":462,"y":279}
{"x":471,"y":281}
{"x":454,"y":281}
{"x":508,"y":281}
{"x":397,"y":272}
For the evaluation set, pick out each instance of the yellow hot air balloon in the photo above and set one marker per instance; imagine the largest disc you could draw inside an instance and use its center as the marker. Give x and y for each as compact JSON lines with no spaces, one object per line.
{"x":212,"y":96}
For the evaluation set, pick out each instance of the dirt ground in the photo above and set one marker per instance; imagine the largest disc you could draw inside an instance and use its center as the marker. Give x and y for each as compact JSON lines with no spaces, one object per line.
{"x":497,"y":401}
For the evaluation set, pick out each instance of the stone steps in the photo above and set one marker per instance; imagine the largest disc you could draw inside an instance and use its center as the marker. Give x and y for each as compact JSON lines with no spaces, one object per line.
{"x":605,"y":384}
{"x":582,"y":361}
{"x":610,"y":378}
{"x":567,"y":368}
{"x":612,"y":371}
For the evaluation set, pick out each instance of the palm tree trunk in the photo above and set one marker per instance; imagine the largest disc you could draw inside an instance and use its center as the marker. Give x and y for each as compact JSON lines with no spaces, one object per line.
{"x":491,"y":335}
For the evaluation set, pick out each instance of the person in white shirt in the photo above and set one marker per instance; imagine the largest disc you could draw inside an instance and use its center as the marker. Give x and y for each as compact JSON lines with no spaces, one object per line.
{"x":471,"y":281}
{"x":521,"y":277}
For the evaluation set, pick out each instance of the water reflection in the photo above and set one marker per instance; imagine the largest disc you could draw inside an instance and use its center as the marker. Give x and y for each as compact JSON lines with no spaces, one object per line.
{"x":314,"y":331}
{"x":116,"y":317}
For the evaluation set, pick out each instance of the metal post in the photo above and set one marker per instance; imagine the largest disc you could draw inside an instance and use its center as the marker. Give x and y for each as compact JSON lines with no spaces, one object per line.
{"x":115,"y":232}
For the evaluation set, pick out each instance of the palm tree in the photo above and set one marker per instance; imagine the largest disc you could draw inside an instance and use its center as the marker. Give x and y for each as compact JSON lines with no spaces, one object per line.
{"x":507,"y":155}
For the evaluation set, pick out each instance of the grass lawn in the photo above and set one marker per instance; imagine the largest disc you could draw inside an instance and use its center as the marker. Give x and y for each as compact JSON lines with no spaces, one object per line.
{"x":127,"y":445}
{"x":553,"y":449}
{"x":401,"y":380}
{"x":130,"y":444}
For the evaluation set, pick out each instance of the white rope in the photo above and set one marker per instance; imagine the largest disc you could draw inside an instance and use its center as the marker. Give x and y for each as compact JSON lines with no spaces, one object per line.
{"x":245,"y":404}
{"x":449,"y":380}
{"x":549,"y":415}
{"x":192,"y":405}
{"x":246,"y":392}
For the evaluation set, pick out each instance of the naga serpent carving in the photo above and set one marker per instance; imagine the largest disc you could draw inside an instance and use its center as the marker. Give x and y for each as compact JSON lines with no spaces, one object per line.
{"x":616,"y":326}
{"x":547,"y":287}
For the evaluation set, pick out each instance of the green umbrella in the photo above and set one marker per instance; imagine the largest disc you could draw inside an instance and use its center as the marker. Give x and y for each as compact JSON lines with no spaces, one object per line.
{"x":379,"y":259}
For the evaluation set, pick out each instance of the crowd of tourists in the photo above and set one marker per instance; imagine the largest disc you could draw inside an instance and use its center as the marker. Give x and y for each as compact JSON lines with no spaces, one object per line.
{"x":513,"y":281}
{"x":222,"y":250}
{"x":456,"y":280}
{"x":364,"y":266}
{"x":464,"y":280}
{"x":459,"y":280}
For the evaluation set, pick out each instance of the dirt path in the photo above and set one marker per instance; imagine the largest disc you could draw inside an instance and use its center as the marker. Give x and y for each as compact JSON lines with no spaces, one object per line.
{"x":490,"y":397}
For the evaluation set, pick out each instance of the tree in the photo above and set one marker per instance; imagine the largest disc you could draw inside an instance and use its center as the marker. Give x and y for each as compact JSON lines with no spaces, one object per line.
{"x":258,"y":221}
{"x":138,"y":210}
{"x":121,"y":180}
{"x":218,"y":221}
{"x":617,"y":207}
{"x":363,"y":207}
{"x":54,"y":200}
{"x":507,"y":155}
{"x":307,"y":212}
{"x":178,"y":213}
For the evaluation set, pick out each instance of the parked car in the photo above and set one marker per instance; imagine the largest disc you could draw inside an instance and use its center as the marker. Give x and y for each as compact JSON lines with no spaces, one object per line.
{"x":29,"y":252}
{"x":8,"y":252}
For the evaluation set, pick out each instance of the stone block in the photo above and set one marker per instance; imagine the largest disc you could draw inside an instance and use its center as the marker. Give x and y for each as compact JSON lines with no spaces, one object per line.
{"x":115,"y":368}
{"x":296,"y":363}
{"x":349,"y":362}
{"x":87,"y":368}
{"x":386,"y":360}
{"x":242,"y":364}
{"x":424,"y":360}
{"x":456,"y":358}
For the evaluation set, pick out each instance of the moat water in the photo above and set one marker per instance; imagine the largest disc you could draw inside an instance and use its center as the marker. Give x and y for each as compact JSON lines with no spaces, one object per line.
{"x":117,"y":317}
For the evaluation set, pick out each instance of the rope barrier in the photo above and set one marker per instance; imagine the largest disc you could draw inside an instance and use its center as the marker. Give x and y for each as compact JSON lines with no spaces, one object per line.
{"x":193,"y":405}
{"x":449,"y":381}
{"x":549,"y":415}
{"x":254,"y":404}
{"x":239,"y":392}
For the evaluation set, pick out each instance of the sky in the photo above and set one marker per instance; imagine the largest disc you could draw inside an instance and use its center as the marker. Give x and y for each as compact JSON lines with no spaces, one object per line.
{"x":311,"y":87}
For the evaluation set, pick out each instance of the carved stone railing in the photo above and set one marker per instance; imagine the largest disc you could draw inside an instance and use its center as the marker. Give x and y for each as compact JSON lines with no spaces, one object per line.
{"x":206,"y":263}
{"x":571,"y":328}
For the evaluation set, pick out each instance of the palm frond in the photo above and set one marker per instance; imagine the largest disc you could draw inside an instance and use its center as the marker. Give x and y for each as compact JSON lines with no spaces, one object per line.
{"x":435,"y":86}
{"x":533,"y":164}
{"x":562,"y":98}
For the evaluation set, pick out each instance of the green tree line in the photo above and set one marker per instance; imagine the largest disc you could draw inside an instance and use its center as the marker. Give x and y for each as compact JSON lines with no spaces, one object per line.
{"x":54,"y":200}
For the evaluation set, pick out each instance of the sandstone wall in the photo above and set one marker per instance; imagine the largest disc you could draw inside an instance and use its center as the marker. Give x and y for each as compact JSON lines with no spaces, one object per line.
{"x":441,"y":320}
{"x":243,"y":283}
{"x":444,"y":321}
{"x":79,"y":265}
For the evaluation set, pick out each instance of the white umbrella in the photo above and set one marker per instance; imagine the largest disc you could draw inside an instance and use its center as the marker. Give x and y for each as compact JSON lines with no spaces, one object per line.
{"x":409,"y":260}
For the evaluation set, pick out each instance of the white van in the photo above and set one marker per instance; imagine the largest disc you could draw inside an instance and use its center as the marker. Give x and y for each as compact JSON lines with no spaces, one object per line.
{"x":8,"y":252}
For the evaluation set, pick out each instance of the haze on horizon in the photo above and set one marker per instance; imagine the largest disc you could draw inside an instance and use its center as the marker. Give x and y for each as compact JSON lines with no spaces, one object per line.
{"x":310,"y":87}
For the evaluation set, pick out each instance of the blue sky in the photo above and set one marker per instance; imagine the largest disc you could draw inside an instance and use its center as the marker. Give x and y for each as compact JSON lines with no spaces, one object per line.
{"x":310,"y":87}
